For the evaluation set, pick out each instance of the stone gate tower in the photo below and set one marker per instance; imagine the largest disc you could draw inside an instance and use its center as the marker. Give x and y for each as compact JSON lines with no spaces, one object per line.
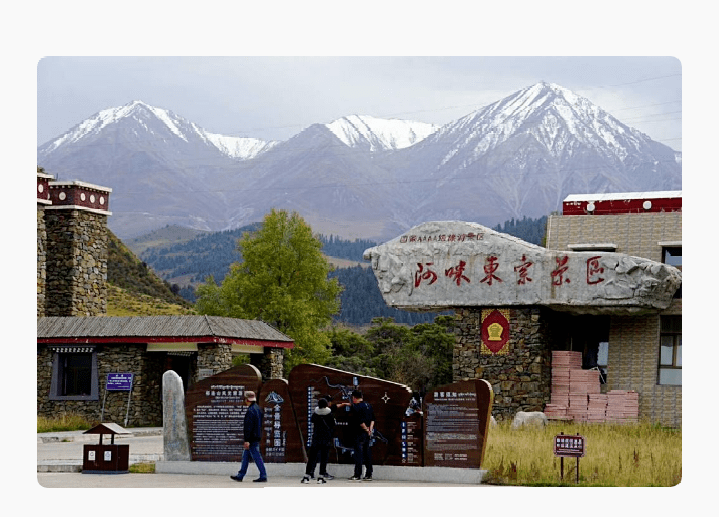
{"x":71,"y":247}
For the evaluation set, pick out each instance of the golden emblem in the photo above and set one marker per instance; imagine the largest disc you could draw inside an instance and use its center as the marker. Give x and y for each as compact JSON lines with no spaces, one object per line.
{"x":495,"y":332}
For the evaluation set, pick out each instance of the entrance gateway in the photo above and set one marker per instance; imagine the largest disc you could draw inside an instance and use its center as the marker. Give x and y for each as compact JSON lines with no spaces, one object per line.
{"x":516,"y":302}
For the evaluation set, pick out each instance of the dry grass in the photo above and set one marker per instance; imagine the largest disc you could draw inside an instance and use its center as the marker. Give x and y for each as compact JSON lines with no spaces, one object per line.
{"x":62,"y":422}
{"x":622,"y":455}
{"x":121,"y":302}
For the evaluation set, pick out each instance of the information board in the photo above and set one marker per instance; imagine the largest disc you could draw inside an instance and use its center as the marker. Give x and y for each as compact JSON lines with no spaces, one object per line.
{"x":389,"y":400}
{"x":119,"y":382}
{"x":456,"y":423}
{"x":281,"y":436}
{"x":215,"y":409}
{"x":569,"y":446}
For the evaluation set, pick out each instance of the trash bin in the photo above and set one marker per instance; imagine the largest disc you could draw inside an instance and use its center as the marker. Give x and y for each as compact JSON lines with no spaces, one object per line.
{"x":106,"y":458}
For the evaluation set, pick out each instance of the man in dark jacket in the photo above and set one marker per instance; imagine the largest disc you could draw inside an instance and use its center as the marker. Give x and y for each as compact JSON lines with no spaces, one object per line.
{"x":362,"y":424}
{"x":323,"y":426}
{"x":253,"y":435}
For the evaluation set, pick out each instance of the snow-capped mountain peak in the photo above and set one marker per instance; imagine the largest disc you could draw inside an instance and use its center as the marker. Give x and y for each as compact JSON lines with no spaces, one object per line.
{"x":378,"y":134}
{"x":144,"y":118}
{"x":551,"y":114}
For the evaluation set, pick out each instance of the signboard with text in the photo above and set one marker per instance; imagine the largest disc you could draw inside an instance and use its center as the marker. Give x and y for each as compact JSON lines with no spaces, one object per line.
{"x":119,"y":382}
{"x":569,"y":446}
{"x":456,"y":423}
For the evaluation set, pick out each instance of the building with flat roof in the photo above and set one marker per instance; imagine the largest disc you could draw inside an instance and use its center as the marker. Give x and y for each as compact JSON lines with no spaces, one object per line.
{"x":641,"y":353}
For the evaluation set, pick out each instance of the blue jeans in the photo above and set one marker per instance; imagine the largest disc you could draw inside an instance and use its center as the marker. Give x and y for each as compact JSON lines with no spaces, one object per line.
{"x":254,"y":452}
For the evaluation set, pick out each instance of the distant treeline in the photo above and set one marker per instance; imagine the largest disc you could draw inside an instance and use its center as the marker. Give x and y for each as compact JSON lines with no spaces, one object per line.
{"x":527,"y":229}
{"x":361,"y":301}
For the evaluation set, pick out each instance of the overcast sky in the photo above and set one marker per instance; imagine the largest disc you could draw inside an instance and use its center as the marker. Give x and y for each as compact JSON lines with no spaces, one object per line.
{"x":276,"y":97}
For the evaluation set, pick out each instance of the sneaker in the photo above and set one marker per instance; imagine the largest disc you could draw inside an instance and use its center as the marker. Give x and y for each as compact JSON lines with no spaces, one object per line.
{"x":355,"y":478}
{"x":367,"y":478}
{"x":305,"y":479}
{"x":236,"y":478}
{"x":328,"y":477}
{"x":321,"y":481}
{"x":260,"y":480}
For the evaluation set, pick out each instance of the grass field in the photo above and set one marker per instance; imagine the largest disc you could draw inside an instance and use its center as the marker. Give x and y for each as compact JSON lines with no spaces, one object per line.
{"x":619,"y":455}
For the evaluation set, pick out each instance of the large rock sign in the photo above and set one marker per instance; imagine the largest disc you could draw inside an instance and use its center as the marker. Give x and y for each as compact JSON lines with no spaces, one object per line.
{"x":460,"y":264}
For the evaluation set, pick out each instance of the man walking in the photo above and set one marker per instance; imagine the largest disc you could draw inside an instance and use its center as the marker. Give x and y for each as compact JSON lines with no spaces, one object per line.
{"x":362,"y":423}
{"x":253,"y":435}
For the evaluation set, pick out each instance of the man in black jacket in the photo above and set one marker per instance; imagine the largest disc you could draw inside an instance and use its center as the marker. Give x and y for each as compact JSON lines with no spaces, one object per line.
{"x":253,"y":435}
{"x":362,"y":424}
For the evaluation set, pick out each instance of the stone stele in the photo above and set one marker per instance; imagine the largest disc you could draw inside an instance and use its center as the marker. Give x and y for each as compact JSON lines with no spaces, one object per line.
{"x":176,"y":444}
{"x":447,"y":264}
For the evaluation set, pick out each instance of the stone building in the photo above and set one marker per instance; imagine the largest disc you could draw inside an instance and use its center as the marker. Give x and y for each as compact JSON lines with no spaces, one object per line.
{"x":79,"y":348}
{"x":604,"y":286}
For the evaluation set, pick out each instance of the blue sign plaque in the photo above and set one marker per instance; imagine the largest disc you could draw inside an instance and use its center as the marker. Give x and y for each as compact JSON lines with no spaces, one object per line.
{"x":119,"y":382}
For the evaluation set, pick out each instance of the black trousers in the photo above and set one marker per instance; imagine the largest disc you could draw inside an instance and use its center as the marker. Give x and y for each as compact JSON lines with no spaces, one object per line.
{"x":362,"y":454}
{"x":316,"y":451}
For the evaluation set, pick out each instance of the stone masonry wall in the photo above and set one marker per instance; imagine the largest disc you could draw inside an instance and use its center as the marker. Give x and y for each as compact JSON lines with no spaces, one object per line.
{"x":145,"y":399}
{"x":41,"y":258}
{"x":213,"y":356}
{"x":270,"y":363}
{"x":521,"y":378}
{"x":76,"y":263}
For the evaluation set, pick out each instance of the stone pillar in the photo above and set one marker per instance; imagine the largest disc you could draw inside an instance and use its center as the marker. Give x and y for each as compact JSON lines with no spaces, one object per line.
{"x":175,"y":440}
{"x":521,"y":374}
{"x":270,"y":363}
{"x":43,"y":200}
{"x":76,"y":251}
{"x":214,"y":357}
{"x":41,"y":260}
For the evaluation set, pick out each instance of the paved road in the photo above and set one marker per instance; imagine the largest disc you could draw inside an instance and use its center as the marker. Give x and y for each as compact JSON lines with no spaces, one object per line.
{"x":63,"y":452}
{"x":77,"y":480}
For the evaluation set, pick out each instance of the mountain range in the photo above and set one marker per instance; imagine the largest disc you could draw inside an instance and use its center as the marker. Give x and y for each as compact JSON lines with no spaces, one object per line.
{"x":361,"y":176}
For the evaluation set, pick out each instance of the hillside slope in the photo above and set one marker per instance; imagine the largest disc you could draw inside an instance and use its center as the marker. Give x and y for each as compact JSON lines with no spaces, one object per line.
{"x":134,"y":289}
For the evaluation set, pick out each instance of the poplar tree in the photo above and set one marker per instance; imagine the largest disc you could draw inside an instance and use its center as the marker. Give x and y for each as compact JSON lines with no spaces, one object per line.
{"x":283,"y":281}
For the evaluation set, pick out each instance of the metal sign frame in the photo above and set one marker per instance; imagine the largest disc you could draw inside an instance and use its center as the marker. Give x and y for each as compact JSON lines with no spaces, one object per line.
{"x":117,"y":381}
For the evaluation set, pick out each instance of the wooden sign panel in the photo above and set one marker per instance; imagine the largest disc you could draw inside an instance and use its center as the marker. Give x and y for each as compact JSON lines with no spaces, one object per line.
{"x":412,"y":439}
{"x":281,"y":436}
{"x":389,"y":400}
{"x":215,"y":409}
{"x":569,"y":446}
{"x":456,"y":422}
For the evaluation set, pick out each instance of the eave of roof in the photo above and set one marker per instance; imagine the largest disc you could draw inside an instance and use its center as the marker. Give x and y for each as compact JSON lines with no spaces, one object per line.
{"x":159,"y":329}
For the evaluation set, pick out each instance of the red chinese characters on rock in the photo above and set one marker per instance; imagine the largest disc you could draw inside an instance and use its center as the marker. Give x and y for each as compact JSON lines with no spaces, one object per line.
{"x":457,"y":273}
{"x":522,"y":271}
{"x":424,"y":274}
{"x":560,"y":270}
{"x":489,"y":269}
{"x":594,"y":270}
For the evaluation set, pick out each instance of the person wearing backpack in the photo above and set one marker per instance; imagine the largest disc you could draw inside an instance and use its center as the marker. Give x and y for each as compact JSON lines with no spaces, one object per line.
{"x":323,"y":426}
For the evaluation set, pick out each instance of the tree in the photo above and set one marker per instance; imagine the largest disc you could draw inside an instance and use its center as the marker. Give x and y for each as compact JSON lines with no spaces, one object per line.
{"x":282,"y":281}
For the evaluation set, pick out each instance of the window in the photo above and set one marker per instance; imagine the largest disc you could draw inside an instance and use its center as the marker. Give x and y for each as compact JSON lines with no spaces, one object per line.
{"x":74,"y":374}
{"x":76,"y":371}
{"x":670,"y":351}
{"x":672,"y":255}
